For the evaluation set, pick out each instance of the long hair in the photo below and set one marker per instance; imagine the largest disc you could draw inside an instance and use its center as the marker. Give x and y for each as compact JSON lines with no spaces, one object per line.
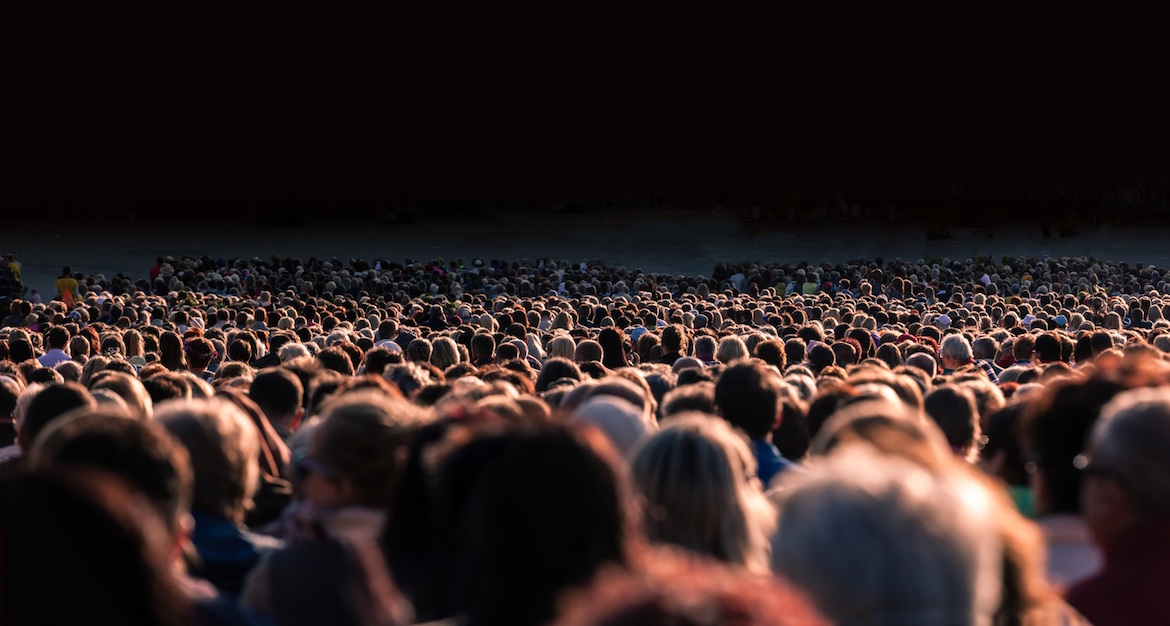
{"x":697,"y":477}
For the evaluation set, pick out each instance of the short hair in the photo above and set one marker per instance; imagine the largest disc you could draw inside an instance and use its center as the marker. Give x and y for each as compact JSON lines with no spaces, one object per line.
{"x":337,"y":359}
{"x":48,"y":404}
{"x":694,"y":474}
{"x":731,"y":349}
{"x":224,"y":446}
{"x":277,"y":391}
{"x":771,"y":351}
{"x":984,"y":347}
{"x":483,"y":344}
{"x":1022,"y":347}
{"x":674,"y":337}
{"x":57,"y":337}
{"x":419,"y":350}
{"x":923,"y":362}
{"x":1131,"y":439}
{"x":748,"y":396}
{"x":698,"y":396}
{"x":956,"y":347}
{"x":953,"y":408}
{"x":856,"y":516}
{"x":140,"y":452}
{"x":587,"y":351}
{"x":705,"y":346}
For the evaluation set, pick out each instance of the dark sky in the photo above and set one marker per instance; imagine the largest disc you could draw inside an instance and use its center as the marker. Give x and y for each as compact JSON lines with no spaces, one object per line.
{"x":229,"y":107}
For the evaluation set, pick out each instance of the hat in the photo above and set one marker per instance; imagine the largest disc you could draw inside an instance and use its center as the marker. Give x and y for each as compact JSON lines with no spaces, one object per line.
{"x":1060,"y":320}
{"x":943,"y":321}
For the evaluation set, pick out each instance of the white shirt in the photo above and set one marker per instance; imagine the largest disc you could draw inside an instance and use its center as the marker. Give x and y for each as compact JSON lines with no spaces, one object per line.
{"x":53,"y":357}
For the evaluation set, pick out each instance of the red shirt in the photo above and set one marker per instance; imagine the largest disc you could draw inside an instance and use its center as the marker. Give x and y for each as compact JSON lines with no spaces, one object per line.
{"x":1133,"y":588}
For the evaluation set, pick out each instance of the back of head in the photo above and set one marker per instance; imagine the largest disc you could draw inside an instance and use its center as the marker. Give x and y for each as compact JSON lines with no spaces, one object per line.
{"x":680,"y":590}
{"x":223,"y":446}
{"x":538,"y":511}
{"x":923,"y":362}
{"x":129,"y":389}
{"x":84,"y":532}
{"x":695,"y":474}
{"x":50,"y":403}
{"x":141,"y":453}
{"x":277,"y":392}
{"x":857,"y":516}
{"x":1131,"y":441}
{"x":953,"y":408}
{"x":361,"y":435}
{"x":748,"y":396}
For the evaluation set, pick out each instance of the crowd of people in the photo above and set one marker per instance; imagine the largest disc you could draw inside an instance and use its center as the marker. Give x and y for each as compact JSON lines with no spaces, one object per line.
{"x":292,"y":441}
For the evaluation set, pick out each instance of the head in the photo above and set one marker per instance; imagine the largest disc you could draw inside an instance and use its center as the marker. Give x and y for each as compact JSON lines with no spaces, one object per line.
{"x":524,"y":537}
{"x":731,"y":349}
{"x":696,"y":475}
{"x":953,"y":408}
{"x":278,"y":392}
{"x":223,"y":446}
{"x":858,"y":515}
{"x":955,"y":351}
{"x":1126,"y":480}
{"x":355,"y":454}
{"x":747,"y":395}
{"x":141,"y":453}
{"x":46,"y":405}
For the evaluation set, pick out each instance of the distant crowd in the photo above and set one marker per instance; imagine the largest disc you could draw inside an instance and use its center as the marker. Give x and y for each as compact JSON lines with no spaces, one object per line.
{"x":288,"y":441}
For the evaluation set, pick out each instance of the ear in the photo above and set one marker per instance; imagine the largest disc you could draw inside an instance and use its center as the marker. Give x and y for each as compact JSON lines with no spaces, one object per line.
{"x":181,"y":541}
{"x":296,"y":422}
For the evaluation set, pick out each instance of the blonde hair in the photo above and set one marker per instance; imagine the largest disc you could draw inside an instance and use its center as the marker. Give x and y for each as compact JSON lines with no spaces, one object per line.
{"x":444,"y":353}
{"x":731,"y":349}
{"x":697,"y":476}
{"x":224,"y":446}
{"x":562,"y":346}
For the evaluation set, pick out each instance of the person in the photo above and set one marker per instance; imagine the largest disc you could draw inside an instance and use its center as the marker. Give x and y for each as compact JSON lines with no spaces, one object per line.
{"x":57,"y":339}
{"x":674,"y":339}
{"x":278,"y":392}
{"x":1126,"y":504}
{"x":223,"y":446}
{"x":683,"y":589}
{"x":150,"y":461}
{"x":857,"y":516}
{"x":520,"y":539}
{"x":697,"y":477}
{"x":747,"y":395}
{"x":336,"y":574}
{"x":87,"y":532}
{"x":67,"y":288}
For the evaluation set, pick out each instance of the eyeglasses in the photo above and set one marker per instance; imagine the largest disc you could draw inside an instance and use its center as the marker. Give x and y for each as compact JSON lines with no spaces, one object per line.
{"x":303,"y":465}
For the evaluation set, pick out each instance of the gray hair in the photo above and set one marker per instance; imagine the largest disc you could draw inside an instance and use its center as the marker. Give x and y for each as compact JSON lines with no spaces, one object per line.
{"x":1131,"y":439}
{"x":858,"y":516}
{"x":956,"y":347}
{"x":224,"y":446}
{"x":292,"y":350}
